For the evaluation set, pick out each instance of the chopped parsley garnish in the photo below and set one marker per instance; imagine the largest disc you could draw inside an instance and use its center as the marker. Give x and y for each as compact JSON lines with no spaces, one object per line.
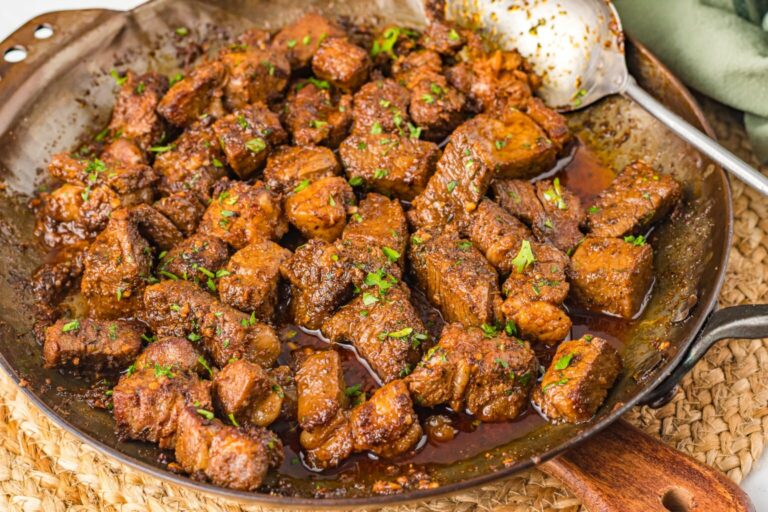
{"x":380,"y":173}
{"x":163,"y":371}
{"x":510,"y":328}
{"x":112,"y":331}
{"x":558,"y":383}
{"x":391,"y":254}
{"x":205,"y":414}
{"x":331,"y":201}
{"x":119,"y":80}
{"x":500,"y":144}
{"x":499,"y":361}
{"x":356,"y":181}
{"x":161,"y":149}
{"x":320,"y":84}
{"x":635,"y":240}
{"x":524,"y":258}
{"x":414,"y":131}
{"x":119,"y":294}
{"x":71,"y":326}
{"x":301,"y":186}
{"x":564,"y":361}
{"x":593,"y":209}
{"x":386,"y":43}
{"x":256,"y":145}
{"x":205,"y":365}
{"x":402,"y":333}
{"x":182,"y":31}
{"x":232,"y":419}
{"x":436,"y":89}
{"x":306,"y":40}
{"x":270,"y":67}
{"x":376,"y":128}
{"x":291,"y":43}
{"x":464,"y":245}
{"x":453,"y":35}
{"x":178,"y":77}
{"x":451,"y":185}
{"x":353,"y":391}
{"x":361,"y":146}
{"x":428,"y":99}
{"x":554,"y":194}
{"x":489,"y":330}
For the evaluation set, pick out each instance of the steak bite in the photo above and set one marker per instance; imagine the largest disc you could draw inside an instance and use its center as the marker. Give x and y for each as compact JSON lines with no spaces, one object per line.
{"x":322,"y":409}
{"x":321,"y":280}
{"x":442,"y":38}
{"x":176,"y":354}
{"x":612,"y":275}
{"x":134,"y":116}
{"x":389,"y":164}
{"x":562,"y":216}
{"x":92,"y":344}
{"x":537,"y":320}
{"x":237,"y":458}
{"x":246,"y":394}
{"x":240,"y":214}
{"x":436,"y":107}
{"x":133,"y":182}
{"x":301,"y":39}
{"x":637,"y":197}
{"x":578,"y":380}
{"x":183,"y":209}
{"x":193,"y":95}
{"x":519,"y":198}
{"x":196,"y":259}
{"x":147,"y":403}
{"x":254,"y":75}
{"x":319,"y":209}
{"x":289,"y":166}
{"x":251,"y":279}
{"x":383,"y":103}
{"x":342,"y":63}
{"x":497,"y":234}
{"x":247,"y":136}
{"x":313,"y":116}
{"x":413,"y":67}
{"x":455,"y":276}
{"x":179,"y":308}
{"x":386,"y":424}
{"x":552,"y":122}
{"x":384,"y":328}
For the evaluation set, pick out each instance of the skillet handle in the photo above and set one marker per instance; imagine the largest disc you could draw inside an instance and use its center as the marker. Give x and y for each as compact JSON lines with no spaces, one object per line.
{"x":746,"y":321}
{"x":623,"y":469}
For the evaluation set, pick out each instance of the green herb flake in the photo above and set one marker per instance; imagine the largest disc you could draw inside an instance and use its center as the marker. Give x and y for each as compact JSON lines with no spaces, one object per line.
{"x":162,"y":149}
{"x":376,"y":128}
{"x":119,"y":80}
{"x":256,"y":145}
{"x":428,"y":99}
{"x":510,"y":328}
{"x":558,"y":383}
{"x":205,"y":365}
{"x":380,"y":173}
{"x":356,"y":181}
{"x":232,"y":419}
{"x":453,"y":35}
{"x":182,"y":31}
{"x":489,"y":330}
{"x":291,"y":43}
{"x":635,"y":240}
{"x":391,"y":254}
{"x":205,"y":414}
{"x":564,"y":361}
{"x":301,"y":186}
{"x":524,"y":258}
{"x":306,"y":40}
{"x":369,"y":299}
{"x":451,"y":185}
{"x":71,"y":326}
{"x":501,"y":363}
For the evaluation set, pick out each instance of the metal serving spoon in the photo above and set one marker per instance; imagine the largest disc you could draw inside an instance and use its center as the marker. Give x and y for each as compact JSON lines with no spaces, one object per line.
{"x":577,"y":47}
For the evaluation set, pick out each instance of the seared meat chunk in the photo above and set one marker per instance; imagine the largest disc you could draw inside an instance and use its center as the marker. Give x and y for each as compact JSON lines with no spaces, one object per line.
{"x":497,"y":234}
{"x":612,"y":275}
{"x":389,"y":164}
{"x":283,"y":377}
{"x":386,"y":424}
{"x":123,"y":151}
{"x":242,"y":213}
{"x":91,"y":344}
{"x":326,"y":435}
{"x":183,"y":209}
{"x":254,"y":75}
{"x":485,"y":372}
{"x":196,"y":259}
{"x":319,"y":209}
{"x":288,"y":166}
{"x":247,"y":136}
{"x":413,"y":67}
{"x":313,"y":116}
{"x":174,"y":354}
{"x":455,"y":276}
{"x":57,"y":275}
{"x":246,"y":394}
{"x":72,"y":213}
{"x":636,"y":198}
{"x":384,"y":328}
{"x":537,"y":320}
{"x":342,"y":63}
{"x":436,"y":107}
{"x":193,"y":162}
{"x":301,"y":39}
{"x":562,"y":216}
{"x":442,"y":38}
{"x":321,"y":279}
{"x":519,"y":198}
{"x":147,"y":403}
{"x":252,"y":278}
{"x":382,"y":103}
{"x":155,"y":227}
{"x":179,"y":308}
{"x":237,"y":458}
{"x":131,"y":181}
{"x":578,"y":380}
{"x":193,"y":96}
{"x":134,"y":116}
{"x":552,"y":122}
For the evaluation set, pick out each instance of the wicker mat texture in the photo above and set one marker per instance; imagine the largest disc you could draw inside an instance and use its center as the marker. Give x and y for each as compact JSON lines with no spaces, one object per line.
{"x":720,"y":416}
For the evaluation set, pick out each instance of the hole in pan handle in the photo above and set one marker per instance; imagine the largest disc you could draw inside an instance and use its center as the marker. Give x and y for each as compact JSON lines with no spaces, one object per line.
{"x":748,"y":321}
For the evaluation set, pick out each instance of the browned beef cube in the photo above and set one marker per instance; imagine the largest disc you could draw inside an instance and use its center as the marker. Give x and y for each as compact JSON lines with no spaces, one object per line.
{"x":133,"y":182}
{"x":252,"y":277}
{"x":117,"y":265}
{"x":485,"y":372}
{"x":342,"y":63}
{"x":519,"y":198}
{"x":57,"y":275}
{"x":383,"y":103}
{"x":196,"y":259}
{"x":179,"y":308}
{"x":289,"y":166}
{"x":392,"y":42}
{"x":322,"y":402}
{"x":246,"y":394}
{"x":174,"y":354}
{"x":389,"y":164}
{"x":247,"y":136}
{"x":183,"y":209}
{"x":254,"y":75}
{"x":384,"y":328}
{"x":552,"y":122}
{"x":155,"y":227}
{"x":497,"y":234}
{"x":455,"y":276}
{"x":562,"y":216}
{"x":255,"y":37}
{"x":91,"y":344}
{"x":537,"y":320}
{"x":386,"y":424}
{"x":321,"y":280}
{"x":637,"y":198}
{"x":578,"y":380}
{"x":193,"y":162}
{"x":319,"y":209}
{"x":122,"y":151}
{"x":612,"y":275}
{"x":436,"y":107}
{"x":442,"y":38}
{"x":302,"y":38}
{"x":283,"y":376}
{"x":313,"y":116}
{"x":411,"y":68}
{"x":242,"y":213}
{"x":147,"y":403}
{"x":237,"y":458}
{"x":134,"y":116}
{"x":536,"y":272}
{"x":191,"y":97}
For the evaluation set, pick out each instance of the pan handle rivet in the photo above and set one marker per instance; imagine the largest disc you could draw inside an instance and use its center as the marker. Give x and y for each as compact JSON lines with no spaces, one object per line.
{"x":15,"y":54}
{"x":43,"y":31}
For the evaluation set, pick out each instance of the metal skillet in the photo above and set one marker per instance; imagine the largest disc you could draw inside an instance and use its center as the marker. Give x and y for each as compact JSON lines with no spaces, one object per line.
{"x":63,"y":89}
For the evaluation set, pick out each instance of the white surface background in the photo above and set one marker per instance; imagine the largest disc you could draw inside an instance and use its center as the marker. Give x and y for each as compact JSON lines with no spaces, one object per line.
{"x":14,"y":13}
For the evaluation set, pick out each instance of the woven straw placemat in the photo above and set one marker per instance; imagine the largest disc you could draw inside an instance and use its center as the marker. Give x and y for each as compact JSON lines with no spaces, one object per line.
{"x":720,"y":416}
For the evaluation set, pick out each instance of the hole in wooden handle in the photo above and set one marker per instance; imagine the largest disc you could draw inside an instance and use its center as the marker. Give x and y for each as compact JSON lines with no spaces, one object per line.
{"x":677,"y":499}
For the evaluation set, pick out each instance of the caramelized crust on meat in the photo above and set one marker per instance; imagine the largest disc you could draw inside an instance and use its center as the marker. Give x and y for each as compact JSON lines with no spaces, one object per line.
{"x":300,"y":40}
{"x":255,"y":74}
{"x":91,"y":344}
{"x":183,"y":209}
{"x":314,"y":117}
{"x":382,"y":103}
{"x":194,"y":95}
{"x":134,"y":115}
{"x":245,"y":391}
{"x":319,"y":209}
{"x":175,"y":354}
{"x":289,"y":166}
{"x":195,"y":259}
{"x":342,"y":63}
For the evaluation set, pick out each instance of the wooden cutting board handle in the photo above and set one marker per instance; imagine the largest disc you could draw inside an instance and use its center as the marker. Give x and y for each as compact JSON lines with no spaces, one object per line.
{"x":622,"y":469}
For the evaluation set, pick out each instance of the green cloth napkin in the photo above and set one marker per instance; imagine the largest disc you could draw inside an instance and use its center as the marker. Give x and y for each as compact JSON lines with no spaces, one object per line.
{"x":711,"y":48}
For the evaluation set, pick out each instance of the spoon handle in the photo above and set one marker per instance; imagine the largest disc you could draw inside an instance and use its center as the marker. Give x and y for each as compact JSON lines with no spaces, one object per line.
{"x":712,"y":149}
